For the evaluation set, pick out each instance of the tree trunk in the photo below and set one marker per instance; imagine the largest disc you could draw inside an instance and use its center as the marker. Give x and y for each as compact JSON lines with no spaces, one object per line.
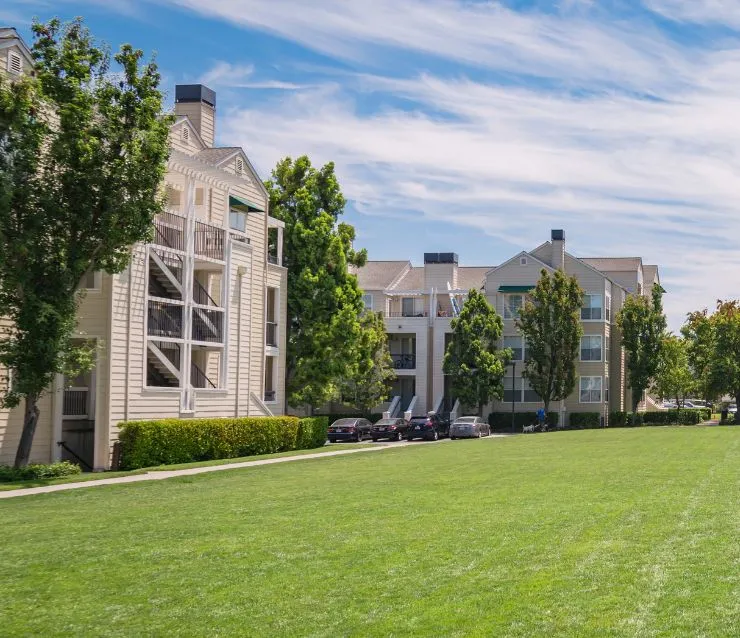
{"x":678,"y":410}
{"x":737,"y":398}
{"x":30,"y":420}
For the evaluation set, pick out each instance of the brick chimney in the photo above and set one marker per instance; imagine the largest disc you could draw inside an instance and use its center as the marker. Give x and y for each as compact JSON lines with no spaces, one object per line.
{"x":198,"y":103}
{"x":557,"y":240}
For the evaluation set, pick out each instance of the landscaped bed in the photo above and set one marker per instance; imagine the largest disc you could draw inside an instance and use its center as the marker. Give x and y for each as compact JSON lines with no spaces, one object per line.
{"x":619,"y":532}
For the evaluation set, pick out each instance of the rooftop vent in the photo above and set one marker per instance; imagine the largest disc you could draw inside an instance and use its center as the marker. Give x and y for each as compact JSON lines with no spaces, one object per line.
{"x":195,"y":93}
{"x":440,"y":258}
{"x":557,"y":235}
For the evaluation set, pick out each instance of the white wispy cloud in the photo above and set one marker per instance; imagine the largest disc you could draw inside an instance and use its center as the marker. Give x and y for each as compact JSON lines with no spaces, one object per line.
{"x":225,"y":75}
{"x":724,"y":12}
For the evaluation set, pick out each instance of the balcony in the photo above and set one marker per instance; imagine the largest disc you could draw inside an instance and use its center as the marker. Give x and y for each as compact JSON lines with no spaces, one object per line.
{"x":209,"y":241}
{"x":164,"y":320}
{"x":75,"y":403}
{"x":271,"y":334}
{"x":169,"y":231}
{"x":273,"y":259}
{"x":208,"y":325}
{"x":406,"y":313}
{"x":404,"y":361}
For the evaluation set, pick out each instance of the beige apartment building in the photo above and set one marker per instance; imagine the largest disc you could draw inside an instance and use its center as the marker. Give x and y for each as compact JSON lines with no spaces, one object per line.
{"x":195,"y":326}
{"x":419,"y":303}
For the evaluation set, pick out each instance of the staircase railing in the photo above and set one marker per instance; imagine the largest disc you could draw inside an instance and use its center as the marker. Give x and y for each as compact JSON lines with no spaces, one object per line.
{"x":209,"y":241}
{"x":64,"y":446}
{"x":169,"y":230}
{"x":208,"y":325}
{"x":410,"y":410}
{"x":164,"y":320}
{"x":395,"y":407}
{"x":201,"y":296}
{"x":198,"y":378}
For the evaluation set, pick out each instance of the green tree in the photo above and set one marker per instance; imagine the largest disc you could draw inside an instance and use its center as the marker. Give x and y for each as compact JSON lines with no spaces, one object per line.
{"x":551,"y":324}
{"x":475,"y":364}
{"x":83,"y":152}
{"x":373,"y":370}
{"x":673,"y":376}
{"x":643,"y":325}
{"x":324,"y":300}
{"x":725,"y":369}
{"x":698,"y":331}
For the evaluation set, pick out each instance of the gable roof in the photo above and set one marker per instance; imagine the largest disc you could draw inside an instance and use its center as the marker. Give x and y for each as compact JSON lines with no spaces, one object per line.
{"x":217,"y":156}
{"x":184,"y":119}
{"x":650,"y":273}
{"x":524,"y":253}
{"x":9,"y":37}
{"x":613,"y":264}
{"x":379,"y":275}
{"x":413,"y":279}
{"x":471,"y":277}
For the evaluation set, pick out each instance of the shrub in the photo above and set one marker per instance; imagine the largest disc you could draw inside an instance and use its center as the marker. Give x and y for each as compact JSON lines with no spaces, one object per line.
{"x":686,"y":416}
{"x":168,"y":441}
{"x":334,"y":417}
{"x":312,"y":432}
{"x":9,"y":474}
{"x":501,"y":421}
{"x":618,"y":419}
{"x":585,"y":419}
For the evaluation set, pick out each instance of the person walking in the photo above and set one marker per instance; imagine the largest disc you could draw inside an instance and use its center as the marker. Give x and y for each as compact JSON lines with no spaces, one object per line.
{"x":541,"y":418}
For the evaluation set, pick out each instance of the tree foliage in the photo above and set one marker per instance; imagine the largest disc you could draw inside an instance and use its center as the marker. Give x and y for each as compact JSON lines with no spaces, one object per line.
{"x":725,"y":369}
{"x":369,"y":380}
{"x":698,"y":331}
{"x":551,"y":324}
{"x":475,"y":364}
{"x":324,"y":300}
{"x":674,"y":378}
{"x":643,"y":327}
{"x":83,"y":152}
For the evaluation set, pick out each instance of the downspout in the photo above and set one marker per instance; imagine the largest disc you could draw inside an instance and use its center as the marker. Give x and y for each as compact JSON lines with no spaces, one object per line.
{"x":128,"y":336}
{"x":249,"y":350}
{"x":240,"y":279}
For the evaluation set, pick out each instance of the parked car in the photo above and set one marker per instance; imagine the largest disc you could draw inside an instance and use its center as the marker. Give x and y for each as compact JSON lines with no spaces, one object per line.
{"x":393,"y":429}
{"x":430,"y":427}
{"x":732,"y":409}
{"x":467,"y":427}
{"x":349,"y":429}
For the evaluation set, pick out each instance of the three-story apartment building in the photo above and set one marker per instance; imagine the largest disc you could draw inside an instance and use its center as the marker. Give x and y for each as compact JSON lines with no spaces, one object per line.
{"x":420,"y":302}
{"x":195,"y":326}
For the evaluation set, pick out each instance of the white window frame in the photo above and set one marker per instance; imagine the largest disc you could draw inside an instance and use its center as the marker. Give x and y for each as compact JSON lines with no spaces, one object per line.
{"x":590,"y":308}
{"x":605,"y":389}
{"x":15,"y":57}
{"x":275,"y":365}
{"x":418,"y":304}
{"x":521,"y":347}
{"x":601,"y":348}
{"x":591,"y":390}
{"x":242,"y":215}
{"x":608,"y":308}
{"x":509,"y":296}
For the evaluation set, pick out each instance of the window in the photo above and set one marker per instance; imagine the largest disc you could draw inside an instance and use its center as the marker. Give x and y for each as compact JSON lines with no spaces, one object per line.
{"x":608,"y":307}
{"x":238,"y":220}
{"x":239,"y":165}
{"x":591,"y":348}
{"x":15,"y":65}
{"x":91,"y":280}
{"x":517,"y":347}
{"x":512,"y":395}
{"x":607,"y":344}
{"x":411,"y":307}
{"x":185,"y":133}
{"x":512,"y":306}
{"x":522,"y":261}
{"x":530,"y":395}
{"x":606,"y":389}
{"x":591,"y":307}
{"x":590,"y":390}
{"x":368,"y":301}
{"x":173,"y":197}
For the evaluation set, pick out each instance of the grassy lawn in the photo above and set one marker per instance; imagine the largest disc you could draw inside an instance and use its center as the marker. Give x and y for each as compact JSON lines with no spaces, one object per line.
{"x":591,"y":533}
{"x":95,"y":476}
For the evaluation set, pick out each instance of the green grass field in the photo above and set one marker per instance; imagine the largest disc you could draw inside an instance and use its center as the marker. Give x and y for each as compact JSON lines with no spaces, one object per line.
{"x":591,"y":533}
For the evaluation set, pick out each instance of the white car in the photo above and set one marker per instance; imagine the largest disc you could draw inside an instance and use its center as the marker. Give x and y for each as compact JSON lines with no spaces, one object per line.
{"x":732,"y":409}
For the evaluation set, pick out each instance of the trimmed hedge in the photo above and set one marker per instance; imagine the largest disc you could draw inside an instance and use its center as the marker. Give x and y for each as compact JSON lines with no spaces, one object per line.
{"x":10,"y":474}
{"x":502,"y":420}
{"x":169,"y":441}
{"x":686,"y":416}
{"x":585,"y":420}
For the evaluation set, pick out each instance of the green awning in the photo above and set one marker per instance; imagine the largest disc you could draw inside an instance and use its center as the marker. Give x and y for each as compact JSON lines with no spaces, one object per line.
{"x":516,"y":288}
{"x":244,"y":205}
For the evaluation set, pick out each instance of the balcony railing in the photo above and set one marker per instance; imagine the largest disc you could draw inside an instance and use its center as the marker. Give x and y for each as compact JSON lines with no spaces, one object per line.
{"x":75,"y":403}
{"x":271,"y":334}
{"x":164,"y":320}
{"x":169,"y":230}
{"x":404,"y":361}
{"x":270,"y":395}
{"x":272,"y":259}
{"x":201,"y":296}
{"x":208,"y":325}
{"x":240,"y":237}
{"x":406,"y":313}
{"x":209,"y":241}
{"x":199,"y":379}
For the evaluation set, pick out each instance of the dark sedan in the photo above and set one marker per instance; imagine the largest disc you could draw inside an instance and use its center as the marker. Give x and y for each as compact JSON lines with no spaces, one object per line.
{"x":430,"y":427}
{"x":393,"y":429}
{"x":349,"y":430}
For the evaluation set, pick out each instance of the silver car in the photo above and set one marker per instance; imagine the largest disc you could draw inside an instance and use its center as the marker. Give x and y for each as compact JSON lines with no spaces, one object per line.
{"x":469,"y":427}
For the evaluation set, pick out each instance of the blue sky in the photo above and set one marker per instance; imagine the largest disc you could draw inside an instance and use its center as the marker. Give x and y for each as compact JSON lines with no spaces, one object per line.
{"x":476,"y":127}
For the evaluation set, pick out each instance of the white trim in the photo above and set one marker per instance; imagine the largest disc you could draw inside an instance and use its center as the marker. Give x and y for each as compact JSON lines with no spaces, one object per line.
{"x":165,"y":361}
{"x":165,"y":269}
{"x":601,"y":390}
{"x":513,"y":260}
{"x":601,"y":349}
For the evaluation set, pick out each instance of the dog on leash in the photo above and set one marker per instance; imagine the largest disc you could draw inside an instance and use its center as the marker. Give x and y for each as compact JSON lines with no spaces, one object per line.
{"x":528,"y":429}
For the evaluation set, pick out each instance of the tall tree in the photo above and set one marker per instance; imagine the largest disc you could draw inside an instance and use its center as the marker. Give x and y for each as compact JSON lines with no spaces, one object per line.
{"x":673,"y":376}
{"x":698,"y":331}
{"x":725,"y":371}
{"x":324,"y":300}
{"x":643,"y":327}
{"x":551,"y":324}
{"x":373,"y":369}
{"x":83,"y":151}
{"x":475,"y":364}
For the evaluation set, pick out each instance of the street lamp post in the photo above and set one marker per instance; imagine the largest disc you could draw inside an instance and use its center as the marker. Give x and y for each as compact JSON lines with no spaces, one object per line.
{"x":513,"y":394}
